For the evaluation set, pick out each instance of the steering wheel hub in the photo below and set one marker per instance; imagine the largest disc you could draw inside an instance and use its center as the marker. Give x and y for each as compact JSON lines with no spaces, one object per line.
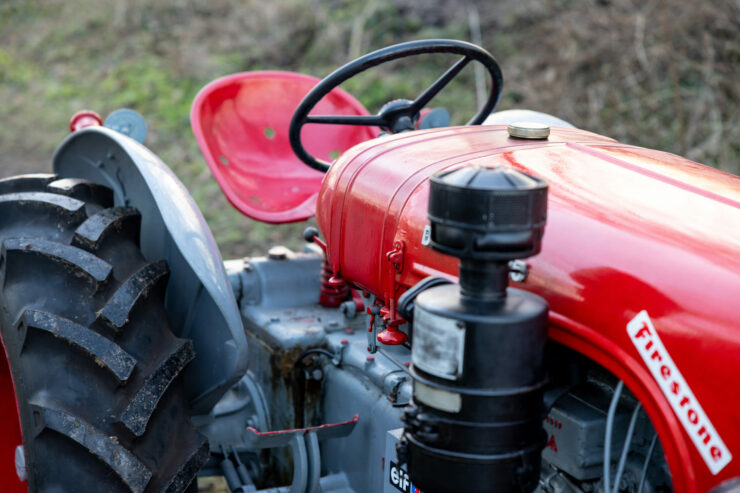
{"x":400,"y":115}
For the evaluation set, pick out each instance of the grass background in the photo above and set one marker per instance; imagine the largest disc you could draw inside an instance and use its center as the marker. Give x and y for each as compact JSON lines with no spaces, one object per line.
{"x":656,"y":73}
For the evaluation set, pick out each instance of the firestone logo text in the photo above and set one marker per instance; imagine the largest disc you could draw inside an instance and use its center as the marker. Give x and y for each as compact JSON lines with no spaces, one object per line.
{"x":687,"y":408}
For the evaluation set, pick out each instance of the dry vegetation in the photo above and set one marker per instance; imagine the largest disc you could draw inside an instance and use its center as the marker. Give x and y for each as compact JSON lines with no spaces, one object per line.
{"x":657,"y":73}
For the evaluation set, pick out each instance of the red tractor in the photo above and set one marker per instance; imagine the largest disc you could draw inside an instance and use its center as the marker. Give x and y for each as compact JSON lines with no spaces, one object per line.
{"x":503,"y":306}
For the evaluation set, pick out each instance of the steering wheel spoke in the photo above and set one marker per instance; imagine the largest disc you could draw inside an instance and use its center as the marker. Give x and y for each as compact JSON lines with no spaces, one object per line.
{"x":425,"y":97}
{"x":369,"y":121}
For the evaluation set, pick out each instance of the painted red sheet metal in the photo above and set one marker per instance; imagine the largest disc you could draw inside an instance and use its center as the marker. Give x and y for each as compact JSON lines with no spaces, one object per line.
{"x":629,"y":229}
{"x":10,"y":429}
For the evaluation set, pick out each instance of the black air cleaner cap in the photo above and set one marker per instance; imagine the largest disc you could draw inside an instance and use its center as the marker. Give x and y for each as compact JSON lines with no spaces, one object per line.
{"x":483,"y":213}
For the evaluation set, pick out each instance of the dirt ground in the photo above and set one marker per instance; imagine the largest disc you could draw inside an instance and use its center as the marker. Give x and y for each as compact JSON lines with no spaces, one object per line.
{"x":14,"y":164}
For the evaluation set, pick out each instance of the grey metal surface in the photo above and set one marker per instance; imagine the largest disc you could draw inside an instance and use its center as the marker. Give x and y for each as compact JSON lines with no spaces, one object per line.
{"x":334,"y":483}
{"x":361,"y":455}
{"x":511,"y":116}
{"x":278,"y":301}
{"x":242,"y":406}
{"x":199,"y":299}
{"x":396,"y":478}
{"x":576,"y":426}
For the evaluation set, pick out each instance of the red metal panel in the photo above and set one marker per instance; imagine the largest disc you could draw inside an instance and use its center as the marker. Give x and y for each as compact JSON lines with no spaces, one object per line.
{"x":241,"y":124}
{"x":629,"y":229}
{"x":10,"y":430}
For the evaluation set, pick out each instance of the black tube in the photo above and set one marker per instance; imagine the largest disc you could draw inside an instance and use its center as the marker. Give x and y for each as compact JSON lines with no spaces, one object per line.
{"x":232,"y":477}
{"x":241,"y":469}
{"x":483,"y":281}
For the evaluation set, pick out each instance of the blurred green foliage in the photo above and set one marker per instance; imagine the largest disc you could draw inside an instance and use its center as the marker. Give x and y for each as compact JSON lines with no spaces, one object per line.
{"x":657,"y":73}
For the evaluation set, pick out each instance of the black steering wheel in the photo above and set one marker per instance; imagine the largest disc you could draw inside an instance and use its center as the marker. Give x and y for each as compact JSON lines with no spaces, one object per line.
{"x":399,"y":115}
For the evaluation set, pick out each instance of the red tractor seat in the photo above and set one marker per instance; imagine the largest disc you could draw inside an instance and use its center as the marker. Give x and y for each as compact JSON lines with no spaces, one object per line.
{"x":241,"y":124}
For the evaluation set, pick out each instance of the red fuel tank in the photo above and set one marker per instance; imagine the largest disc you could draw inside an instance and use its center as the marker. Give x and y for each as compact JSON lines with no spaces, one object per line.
{"x":634,"y":236}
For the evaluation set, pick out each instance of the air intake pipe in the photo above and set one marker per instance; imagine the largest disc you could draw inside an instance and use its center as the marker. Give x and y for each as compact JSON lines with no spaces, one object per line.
{"x":475,"y":422}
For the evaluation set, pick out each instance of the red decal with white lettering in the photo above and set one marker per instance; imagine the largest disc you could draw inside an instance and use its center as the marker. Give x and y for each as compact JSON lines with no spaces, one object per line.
{"x":678,"y":393}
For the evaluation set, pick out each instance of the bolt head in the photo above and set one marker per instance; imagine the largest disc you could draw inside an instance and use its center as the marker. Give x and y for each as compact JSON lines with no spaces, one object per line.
{"x":278,"y":252}
{"x":517,"y":276}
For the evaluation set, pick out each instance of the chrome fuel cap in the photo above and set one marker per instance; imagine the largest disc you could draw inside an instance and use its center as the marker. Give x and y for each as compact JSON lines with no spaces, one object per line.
{"x":528,"y":130}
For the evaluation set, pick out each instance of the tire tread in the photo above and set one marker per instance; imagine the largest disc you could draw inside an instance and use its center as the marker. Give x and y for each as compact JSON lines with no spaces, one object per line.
{"x":76,"y":259}
{"x":139,"y":411}
{"x":116,"y":313}
{"x":128,"y":409}
{"x":105,"y":353}
{"x":91,"y":233}
{"x":106,"y":448}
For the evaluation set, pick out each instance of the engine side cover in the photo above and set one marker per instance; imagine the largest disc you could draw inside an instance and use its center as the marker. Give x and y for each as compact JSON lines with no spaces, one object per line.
{"x":628,"y":230}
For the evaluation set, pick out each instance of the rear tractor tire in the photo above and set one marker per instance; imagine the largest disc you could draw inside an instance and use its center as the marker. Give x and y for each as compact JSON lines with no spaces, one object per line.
{"x":95,"y":366}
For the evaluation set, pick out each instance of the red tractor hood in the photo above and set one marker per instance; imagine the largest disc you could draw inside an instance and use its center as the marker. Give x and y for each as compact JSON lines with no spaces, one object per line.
{"x":629,"y":230}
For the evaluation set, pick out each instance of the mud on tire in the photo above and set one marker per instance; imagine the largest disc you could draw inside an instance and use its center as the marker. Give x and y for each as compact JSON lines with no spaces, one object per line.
{"x":93,"y":359}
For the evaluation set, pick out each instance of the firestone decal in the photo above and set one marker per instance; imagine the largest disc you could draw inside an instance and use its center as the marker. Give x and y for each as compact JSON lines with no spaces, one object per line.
{"x":688,"y":410}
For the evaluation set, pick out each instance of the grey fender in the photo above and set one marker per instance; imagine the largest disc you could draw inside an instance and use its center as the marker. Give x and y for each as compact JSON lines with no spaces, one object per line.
{"x":199,"y":298}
